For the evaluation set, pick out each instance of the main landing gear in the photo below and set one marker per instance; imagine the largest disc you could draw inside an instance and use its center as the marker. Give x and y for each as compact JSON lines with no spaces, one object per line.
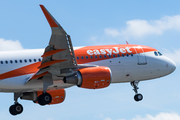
{"x":44,"y":99}
{"x":137,"y":97}
{"x":16,"y":108}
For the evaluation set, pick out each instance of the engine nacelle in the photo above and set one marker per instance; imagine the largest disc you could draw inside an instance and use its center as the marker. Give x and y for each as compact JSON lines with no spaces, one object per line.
{"x":91,"y":78}
{"x":58,"y":96}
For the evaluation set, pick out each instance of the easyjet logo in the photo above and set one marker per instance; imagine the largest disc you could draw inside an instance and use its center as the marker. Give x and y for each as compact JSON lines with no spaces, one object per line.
{"x":114,"y":50}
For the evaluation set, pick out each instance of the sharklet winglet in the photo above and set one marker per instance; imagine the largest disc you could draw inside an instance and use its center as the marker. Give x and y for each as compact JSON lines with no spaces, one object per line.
{"x":49,"y":17}
{"x":52,"y":21}
{"x":127,"y":42}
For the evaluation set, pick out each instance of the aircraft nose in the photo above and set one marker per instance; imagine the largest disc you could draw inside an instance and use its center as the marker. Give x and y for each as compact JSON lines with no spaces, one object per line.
{"x":171,"y":65}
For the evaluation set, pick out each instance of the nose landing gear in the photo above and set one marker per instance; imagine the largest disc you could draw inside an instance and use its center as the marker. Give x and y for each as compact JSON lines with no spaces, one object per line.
{"x":137,"y":97}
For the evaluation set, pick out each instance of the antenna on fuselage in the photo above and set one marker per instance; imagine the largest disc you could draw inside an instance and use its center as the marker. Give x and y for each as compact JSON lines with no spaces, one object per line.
{"x":127,"y":42}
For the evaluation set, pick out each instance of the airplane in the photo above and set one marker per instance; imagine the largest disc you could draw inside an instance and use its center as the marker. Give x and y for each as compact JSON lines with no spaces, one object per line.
{"x":41,"y":75}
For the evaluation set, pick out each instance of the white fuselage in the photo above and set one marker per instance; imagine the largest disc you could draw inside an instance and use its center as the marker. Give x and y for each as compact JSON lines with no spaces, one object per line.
{"x":124,"y":69}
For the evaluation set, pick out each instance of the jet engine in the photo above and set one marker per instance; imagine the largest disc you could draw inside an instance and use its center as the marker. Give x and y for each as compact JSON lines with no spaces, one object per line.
{"x":58,"y":96}
{"x":91,"y":78}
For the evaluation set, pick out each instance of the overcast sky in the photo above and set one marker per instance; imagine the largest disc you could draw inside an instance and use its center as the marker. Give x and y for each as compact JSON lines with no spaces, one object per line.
{"x":98,"y":22}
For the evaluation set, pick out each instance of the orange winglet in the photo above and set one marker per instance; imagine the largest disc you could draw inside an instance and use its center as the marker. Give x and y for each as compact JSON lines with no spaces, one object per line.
{"x":49,"y":53}
{"x":50,"y":63}
{"x":49,"y":17}
{"x":37,"y":76}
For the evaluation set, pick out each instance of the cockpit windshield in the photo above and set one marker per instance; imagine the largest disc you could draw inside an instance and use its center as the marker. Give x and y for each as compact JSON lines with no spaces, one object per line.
{"x":157,"y":53}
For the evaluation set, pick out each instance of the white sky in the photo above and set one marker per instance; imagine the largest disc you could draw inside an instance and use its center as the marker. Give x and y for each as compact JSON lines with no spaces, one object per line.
{"x":152,"y":23}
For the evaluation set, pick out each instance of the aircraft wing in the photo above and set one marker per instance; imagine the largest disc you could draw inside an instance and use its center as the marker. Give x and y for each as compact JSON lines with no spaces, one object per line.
{"x":59,"y":54}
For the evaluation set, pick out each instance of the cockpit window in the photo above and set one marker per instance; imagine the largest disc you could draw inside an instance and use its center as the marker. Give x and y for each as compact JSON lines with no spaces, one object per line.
{"x":159,"y":53}
{"x":155,"y":53}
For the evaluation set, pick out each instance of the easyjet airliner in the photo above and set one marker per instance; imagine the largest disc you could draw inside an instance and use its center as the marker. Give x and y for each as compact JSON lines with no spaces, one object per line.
{"x":41,"y":75}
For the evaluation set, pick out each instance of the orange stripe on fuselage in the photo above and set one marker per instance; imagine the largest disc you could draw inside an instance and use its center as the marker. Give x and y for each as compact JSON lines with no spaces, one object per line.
{"x":29,"y":69}
{"x":108,"y":51}
{"x":84,"y":51}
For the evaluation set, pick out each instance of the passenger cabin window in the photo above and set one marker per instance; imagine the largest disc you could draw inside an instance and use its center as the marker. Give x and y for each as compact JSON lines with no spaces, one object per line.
{"x":86,"y":57}
{"x":20,"y":61}
{"x":131,"y":54}
{"x":91,"y":57}
{"x":11,"y":61}
{"x":82,"y":57}
{"x":127,"y":55}
{"x":114,"y":56}
{"x":100,"y":56}
{"x":39,"y":60}
{"x":1,"y":62}
{"x":25,"y":60}
{"x":34,"y":60}
{"x":95,"y":56}
{"x":118,"y":55}
{"x":15,"y":61}
{"x":104,"y":56}
{"x":6,"y":62}
{"x":78,"y":58}
{"x":123,"y":55}
{"x":30,"y":60}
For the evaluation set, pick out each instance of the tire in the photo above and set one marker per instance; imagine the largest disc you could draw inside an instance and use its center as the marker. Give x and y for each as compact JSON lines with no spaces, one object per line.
{"x":12,"y":110}
{"x":40,"y":102}
{"x":138,"y":97}
{"x":16,"y":109}
{"x":44,"y":99}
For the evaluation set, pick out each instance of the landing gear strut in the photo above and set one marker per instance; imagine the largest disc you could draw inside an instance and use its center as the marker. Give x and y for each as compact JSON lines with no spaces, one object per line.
{"x":16,"y":108}
{"x":137,"y":97}
{"x":45,"y":98}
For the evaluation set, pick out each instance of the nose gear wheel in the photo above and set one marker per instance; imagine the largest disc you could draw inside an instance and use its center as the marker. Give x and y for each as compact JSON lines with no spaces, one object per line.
{"x":137,"y":96}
